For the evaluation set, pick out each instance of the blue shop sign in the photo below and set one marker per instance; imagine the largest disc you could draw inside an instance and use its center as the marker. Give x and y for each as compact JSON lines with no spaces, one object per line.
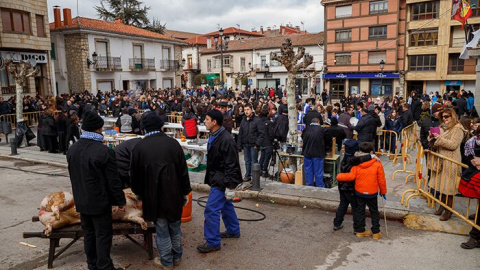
{"x":361,"y":76}
{"x":453,"y":83}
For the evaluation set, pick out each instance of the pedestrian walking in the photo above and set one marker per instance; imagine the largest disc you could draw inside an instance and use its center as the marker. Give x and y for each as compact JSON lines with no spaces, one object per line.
{"x":96,"y":188}
{"x":223,"y":173}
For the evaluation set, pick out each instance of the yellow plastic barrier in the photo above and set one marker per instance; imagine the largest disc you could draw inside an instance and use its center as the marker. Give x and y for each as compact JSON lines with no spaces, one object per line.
{"x":387,"y":141}
{"x":408,"y":143}
{"x":443,"y":187}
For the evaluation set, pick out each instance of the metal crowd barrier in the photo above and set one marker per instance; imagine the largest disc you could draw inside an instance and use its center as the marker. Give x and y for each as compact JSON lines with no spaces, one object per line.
{"x":444,"y":188}
{"x":32,"y":118}
{"x":387,"y":142}
{"x":408,"y":144}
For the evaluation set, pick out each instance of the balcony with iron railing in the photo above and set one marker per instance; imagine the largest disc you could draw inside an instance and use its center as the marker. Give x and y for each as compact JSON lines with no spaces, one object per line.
{"x":8,"y":89}
{"x":108,"y":63}
{"x":259,"y":68}
{"x":169,"y":65}
{"x":142,"y":64}
{"x":193,"y":66}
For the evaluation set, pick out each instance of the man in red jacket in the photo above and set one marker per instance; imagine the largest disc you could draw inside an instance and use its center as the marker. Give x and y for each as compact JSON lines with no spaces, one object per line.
{"x":369,"y":181}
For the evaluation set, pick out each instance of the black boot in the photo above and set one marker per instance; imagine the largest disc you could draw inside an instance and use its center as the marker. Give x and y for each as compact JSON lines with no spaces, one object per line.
{"x":471,"y":244}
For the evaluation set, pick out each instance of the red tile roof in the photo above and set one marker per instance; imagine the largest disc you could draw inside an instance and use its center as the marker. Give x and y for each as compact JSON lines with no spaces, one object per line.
{"x":270,"y":42}
{"x":112,"y":27}
{"x":198,"y":40}
{"x":233,"y":31}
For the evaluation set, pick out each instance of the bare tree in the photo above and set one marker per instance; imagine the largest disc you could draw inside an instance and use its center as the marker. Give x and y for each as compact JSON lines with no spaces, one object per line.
{"x":290,"y":60}
{"x":20,"y":71}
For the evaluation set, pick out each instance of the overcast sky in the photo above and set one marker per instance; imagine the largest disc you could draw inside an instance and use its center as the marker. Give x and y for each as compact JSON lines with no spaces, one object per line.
{"x":203,"y":16}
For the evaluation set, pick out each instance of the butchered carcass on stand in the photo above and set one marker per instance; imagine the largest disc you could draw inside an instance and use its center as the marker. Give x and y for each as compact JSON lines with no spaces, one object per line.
{"x":57,"y":210}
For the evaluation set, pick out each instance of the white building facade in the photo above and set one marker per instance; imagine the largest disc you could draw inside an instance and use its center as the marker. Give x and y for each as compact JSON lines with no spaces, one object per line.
{"x":97,"y":55}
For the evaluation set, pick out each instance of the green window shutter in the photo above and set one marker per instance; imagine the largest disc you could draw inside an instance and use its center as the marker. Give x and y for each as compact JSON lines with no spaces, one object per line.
{"x":52,"y":51}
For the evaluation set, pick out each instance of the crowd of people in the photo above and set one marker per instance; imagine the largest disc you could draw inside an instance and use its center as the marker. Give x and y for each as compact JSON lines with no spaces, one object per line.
{"x":261,"y":118}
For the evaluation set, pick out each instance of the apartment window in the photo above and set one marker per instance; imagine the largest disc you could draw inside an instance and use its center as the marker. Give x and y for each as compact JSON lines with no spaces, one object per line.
{"x":377,"y":32}
{"x":263,"y":60}
{"x":376,"y":57}
{"x":343,"y":11}
{"x":226,"y":61}
{"x":16,"y":21}
{"x":209,"y":65}
{"x":425,"y":10}
{"x":166,"y":53}
{"x":40,"y":25}
{"x":137,"y":51}
{"x":6,"y":79}
{"x":343,"y":59}
{"x":455,"y":64}
{"x":101,"y":48}
{"x":52,"y":52}
{"x":343,"y":35}
{"x":378,"y":7}
{"x":242,"y":64}
{"x":424,"y":38}
{"x":423,"y":62}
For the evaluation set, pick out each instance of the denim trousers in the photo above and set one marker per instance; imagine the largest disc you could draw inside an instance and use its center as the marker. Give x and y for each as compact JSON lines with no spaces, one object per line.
{"x":250,"y":156}
{"x":314,"y":168}
{"x":169,"y":240}
{"x":266,"y":154}
{"x":217,"y":204}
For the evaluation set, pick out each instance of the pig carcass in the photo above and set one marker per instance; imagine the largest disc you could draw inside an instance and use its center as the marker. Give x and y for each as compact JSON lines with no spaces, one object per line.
{"x":58,"y":210}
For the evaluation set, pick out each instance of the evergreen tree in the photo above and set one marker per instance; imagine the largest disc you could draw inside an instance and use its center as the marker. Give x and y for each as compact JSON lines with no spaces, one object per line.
{"x":131,"y":12}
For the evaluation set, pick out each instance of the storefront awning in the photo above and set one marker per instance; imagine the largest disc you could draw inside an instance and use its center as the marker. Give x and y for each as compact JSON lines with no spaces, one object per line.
{"x":384,"y":75}
{"x":212,"y":76}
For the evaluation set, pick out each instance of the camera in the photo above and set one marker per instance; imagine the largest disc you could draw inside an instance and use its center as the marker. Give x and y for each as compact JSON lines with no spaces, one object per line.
{"x":276,"y":144}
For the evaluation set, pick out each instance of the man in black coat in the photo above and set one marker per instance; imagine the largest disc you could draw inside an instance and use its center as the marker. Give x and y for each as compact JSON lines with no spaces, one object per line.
{"x":266,"y":146}
{"x":227,"y":119}
{"x":249,"y":139}
{"x":461,"y":106}
{"x":312,"y":113}
{"x":159,"y":175}
{"x":123,"y":153}
{"x":315,"y":139}
{"x":280,"y":126}
{"x":366,"y":127}
{"x":337,"y":132}
{"x":223,"y":172}
{"x":427,"y":123}
{"x":416,"y":108}
{"x":96,"y":188}
{"x":406,"y":116}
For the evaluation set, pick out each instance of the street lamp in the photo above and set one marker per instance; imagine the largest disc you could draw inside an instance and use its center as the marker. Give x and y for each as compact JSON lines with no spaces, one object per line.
{"x":94,"y":58}
{"x":382,"y":66}
{"x":221,"y":44}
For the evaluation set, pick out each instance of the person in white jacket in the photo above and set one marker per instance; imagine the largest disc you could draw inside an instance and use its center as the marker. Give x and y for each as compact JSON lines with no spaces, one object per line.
{"x":379,"y":136}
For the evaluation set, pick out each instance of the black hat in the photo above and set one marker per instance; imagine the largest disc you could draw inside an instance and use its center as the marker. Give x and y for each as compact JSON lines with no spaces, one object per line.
{"x":351,"y":146}
{"x":285,"y":110}
{"x":216,"y":115}
{"x":151,"y":122}
{"x":91,"y":121}
{"x":222,"y":104}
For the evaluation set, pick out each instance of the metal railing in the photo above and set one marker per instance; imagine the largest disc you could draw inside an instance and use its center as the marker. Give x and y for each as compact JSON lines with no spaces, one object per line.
{"x":32,"y":118}
{"x":108,"y":63}
{"x":387,"y":144}
{"x":140,"y":64}
{"x":408,"y":144}
{"x":260,"y":68}
{"x":8,"y":89}
{"x":192,"y":66}
{"x":169,"y":65}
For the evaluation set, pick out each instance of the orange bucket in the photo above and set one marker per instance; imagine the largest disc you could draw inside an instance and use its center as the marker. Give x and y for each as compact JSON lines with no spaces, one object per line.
{"x":187,"y":210}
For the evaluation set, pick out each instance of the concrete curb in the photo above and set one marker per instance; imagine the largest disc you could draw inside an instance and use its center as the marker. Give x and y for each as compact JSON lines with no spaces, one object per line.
{"x":51,"y":163}
{"x":321,"y":204}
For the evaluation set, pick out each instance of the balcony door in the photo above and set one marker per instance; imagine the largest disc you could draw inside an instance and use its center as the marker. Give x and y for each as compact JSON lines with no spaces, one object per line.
{"x":101,"y":48}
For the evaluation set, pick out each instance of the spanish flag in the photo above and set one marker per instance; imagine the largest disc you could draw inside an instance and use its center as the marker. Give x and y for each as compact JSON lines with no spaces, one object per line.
{"x":461,"y":11}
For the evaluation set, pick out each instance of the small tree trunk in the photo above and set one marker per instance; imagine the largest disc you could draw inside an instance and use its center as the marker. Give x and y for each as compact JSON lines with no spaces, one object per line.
{"x":19,"y":105}
{"x":292,"y":111}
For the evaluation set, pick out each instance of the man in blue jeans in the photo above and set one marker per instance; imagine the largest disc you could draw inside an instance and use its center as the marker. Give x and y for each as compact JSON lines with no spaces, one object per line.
{"x":314,"y":148}
{"x":159,"y":176}
{"x":223,"y":172}
{"x":250,"y":137}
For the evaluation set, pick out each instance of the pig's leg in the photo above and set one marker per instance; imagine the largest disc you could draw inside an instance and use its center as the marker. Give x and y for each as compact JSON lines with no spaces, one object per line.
{"x":138,"y":220}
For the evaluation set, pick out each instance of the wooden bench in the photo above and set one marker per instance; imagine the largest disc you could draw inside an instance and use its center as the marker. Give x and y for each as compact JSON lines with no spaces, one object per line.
{"x":75,"y":232}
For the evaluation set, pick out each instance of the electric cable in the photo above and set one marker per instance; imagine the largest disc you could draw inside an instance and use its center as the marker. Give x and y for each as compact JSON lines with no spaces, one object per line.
{"x":201,"y":200}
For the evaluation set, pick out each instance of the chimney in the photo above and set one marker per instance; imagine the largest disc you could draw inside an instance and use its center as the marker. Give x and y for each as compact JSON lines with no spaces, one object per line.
{"x":118,"y":20}
{"x":57,"y":17}
{"x":269,"y":28}
{"x":67,"y":16}
{"x":297,"y":28}
{"x":261,"y":29}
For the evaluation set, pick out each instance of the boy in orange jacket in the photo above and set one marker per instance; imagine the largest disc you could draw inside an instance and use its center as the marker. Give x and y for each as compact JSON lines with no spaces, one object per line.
{"x":369,"y":180}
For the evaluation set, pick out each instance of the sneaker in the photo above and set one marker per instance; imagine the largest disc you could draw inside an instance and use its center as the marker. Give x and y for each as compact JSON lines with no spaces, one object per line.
{"x":364,"y":234}
{"x":377,"y":236}
{"x":336,"y":228}
{"x":177,"y":262}
{"x":227,"y":235}
{"x":205,"y":248}
{"x":160,"y":265}
{"x":471,"y":244}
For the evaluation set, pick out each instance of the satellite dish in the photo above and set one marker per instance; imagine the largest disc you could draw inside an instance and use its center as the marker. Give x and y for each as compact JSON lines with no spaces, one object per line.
{"x":32,"y":62}
{"x":353,"y":121}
